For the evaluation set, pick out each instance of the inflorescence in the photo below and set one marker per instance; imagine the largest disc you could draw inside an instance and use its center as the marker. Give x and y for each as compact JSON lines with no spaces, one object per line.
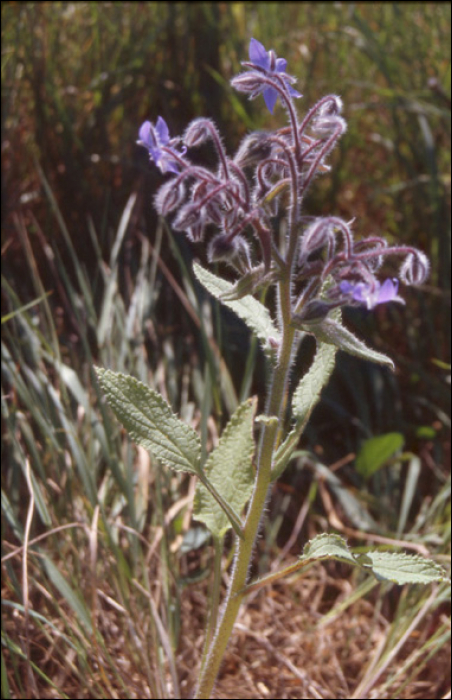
{"x":270,"y":172}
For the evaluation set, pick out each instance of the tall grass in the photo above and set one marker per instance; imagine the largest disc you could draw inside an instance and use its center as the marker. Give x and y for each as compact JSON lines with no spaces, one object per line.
{"x":102,"y":568}
{"x":97,"y":542}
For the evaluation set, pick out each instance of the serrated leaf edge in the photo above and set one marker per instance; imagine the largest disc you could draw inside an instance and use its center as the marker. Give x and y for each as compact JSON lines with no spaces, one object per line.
{"x":326,"y":331}
{"x":164,"y":406}
{"x":247,"y":308}
{"x":235,"y":420}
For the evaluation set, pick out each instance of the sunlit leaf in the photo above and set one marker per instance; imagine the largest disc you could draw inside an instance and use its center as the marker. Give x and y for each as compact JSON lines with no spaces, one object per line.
{"x":396,"y":567}
{"x":401,"y":568}
{"x":150,"y":421}
{"x":229,"y":469}
{"x":331,"y":331}
{"x":252,"y":312}
{"x":305,"y":398}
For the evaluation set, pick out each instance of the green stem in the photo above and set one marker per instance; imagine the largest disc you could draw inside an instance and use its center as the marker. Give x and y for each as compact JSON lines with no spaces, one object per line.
{"x":275,"y":407}
{"x":277,"y":575}
{"x":214,"y":598}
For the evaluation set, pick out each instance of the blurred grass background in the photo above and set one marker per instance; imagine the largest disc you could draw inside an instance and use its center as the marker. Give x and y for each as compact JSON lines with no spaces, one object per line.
{"x":106,"y":603}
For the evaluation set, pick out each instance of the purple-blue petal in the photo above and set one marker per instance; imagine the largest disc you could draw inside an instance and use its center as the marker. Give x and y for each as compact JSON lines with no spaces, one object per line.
{"x":388,"y":291}
{"x":361,"y":293}
{"x":346,"y":287}
{"x":258,"y":54}
{"x":372,"y":295}
{"x":144,"y":133}
{"x":162,"y":131}
{"x":167,"y":166}
{"x":281,"y":65}
{"x":270,"y":97}
{"x":294,"y":92}
{"x":355,"y":291}
{"x":157,"y":141}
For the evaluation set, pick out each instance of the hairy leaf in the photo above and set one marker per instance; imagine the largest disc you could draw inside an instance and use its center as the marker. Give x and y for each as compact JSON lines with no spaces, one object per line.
{"x":327,"y":546}
{"x":229,"y":469}
{"x":150,"y":422}
{"x":305,"y":398}
{"x":396,"y":567}
{"x":401,"y":568}
{"x":308,"y":391}
{"x":252,"y":312}
{"x":331,"y":331}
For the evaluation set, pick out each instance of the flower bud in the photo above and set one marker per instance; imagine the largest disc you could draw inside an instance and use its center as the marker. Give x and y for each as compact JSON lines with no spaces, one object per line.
{"x":169,"y":197}
{"x":196,"y":232}
{"x":415,"y":268}
{"x":188,"y":217}
{"x":324,"y":126}
{"x":327,"y":118}
{"x":222,"y":247}
{"x":331,"y":107}
{"x":316,"y":236}
{"x":314,"y":312}
{"x":250,"y":83}
{"x":254,"y":148}
{"x":198,"y":132}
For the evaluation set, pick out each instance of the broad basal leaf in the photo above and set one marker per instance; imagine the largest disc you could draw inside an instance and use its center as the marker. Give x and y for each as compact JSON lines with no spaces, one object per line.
{"x":255,"y":314}
{"x":229,"y":468}
{"x":150,"y":421}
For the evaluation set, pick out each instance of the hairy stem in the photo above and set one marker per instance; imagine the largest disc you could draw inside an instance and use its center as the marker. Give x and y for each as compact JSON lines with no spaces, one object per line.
{"x":244,"y":547}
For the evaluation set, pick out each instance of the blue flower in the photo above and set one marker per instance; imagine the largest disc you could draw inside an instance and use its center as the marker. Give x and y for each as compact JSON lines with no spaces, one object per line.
{"x":372,"y":295}
{"x":157,"y":140}
{"x":267,"y":62}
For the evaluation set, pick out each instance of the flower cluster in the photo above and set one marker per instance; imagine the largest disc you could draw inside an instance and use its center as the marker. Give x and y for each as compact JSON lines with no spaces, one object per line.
{"x":330,"y":258}
{"x":270,"y":172}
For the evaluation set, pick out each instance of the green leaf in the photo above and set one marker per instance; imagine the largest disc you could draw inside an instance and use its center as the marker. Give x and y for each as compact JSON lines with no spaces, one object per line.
{"x":305,"y":398}
{"x":331,"y":331}
{"x":249,"y":283}
{"x":327,"y":546}
{"x":308,"y":391}
{"x":401,"y":568}
{"x":252,"y":312}
{"x":229,"y":469}
{"x":150,"y":422}
{"x":396,"y":567}
{"x":426,"y":432}
{"x":23,"y":308}
{"x":376,"y":452}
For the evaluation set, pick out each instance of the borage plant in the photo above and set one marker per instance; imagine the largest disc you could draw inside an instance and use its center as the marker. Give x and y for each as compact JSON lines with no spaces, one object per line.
{"x":316,"y":269}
